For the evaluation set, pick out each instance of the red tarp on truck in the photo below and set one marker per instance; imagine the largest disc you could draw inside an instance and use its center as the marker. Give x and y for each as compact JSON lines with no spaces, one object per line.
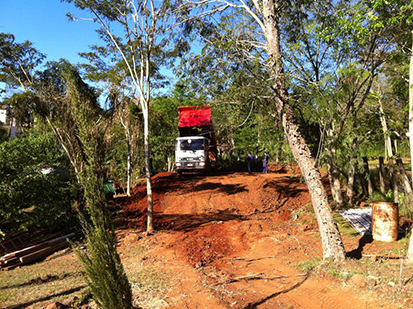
{"x":194,"y":116}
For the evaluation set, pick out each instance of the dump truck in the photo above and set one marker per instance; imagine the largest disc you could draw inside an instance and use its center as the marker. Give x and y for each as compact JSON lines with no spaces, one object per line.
{"x":196,"y":149}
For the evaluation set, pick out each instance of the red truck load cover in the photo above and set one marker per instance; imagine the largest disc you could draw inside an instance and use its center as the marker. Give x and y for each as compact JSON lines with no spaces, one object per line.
{"x":194,"y":116}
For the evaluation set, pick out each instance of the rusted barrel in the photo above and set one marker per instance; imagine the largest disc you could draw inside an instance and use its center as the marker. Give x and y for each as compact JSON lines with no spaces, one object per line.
{"x":385,"y":221}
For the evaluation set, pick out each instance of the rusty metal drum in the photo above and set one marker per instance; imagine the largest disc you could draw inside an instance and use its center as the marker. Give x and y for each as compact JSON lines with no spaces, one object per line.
{"x":385,"y":221}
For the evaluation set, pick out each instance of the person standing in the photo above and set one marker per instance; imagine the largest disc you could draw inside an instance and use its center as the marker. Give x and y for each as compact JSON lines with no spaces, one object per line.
{"x":250,"y":159}
{"x":265,"y":163}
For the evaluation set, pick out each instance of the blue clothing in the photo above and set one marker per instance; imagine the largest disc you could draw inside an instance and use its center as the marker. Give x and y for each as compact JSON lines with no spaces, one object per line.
{"x":265,"y":164}
{"x":250,"y":158}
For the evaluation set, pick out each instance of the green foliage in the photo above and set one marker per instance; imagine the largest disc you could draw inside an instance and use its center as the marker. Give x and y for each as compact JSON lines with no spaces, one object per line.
{"x":379,"y":197}
{"x":164,"y":127}
{"x":405,"y":206}
{"x":16,"y":57}
{"x":4,"y":133}
{"x":104,"y":271}
{"x":23,"y":108}
{"x":28,"y":198}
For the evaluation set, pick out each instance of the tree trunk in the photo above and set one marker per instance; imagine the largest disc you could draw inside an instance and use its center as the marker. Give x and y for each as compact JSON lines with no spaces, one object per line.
{"x":330,"y":236}
{"x":150,"y":224}
{"x":411,"y":106}
{"x":334,"y":178}
{"x":387,"y":139}
{"x":394,"y":183}
{"x":169,"y":164}
{"x":405,"y":179}
{"x":409,"y":256}
{"x":366,"y":176}
{"x":129,"y":180}
{"x":382,"y":176}
{"x":351,"y":177}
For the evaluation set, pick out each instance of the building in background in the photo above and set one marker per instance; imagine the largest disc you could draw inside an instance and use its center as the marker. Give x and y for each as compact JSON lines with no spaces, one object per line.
{"x":9,"y":122}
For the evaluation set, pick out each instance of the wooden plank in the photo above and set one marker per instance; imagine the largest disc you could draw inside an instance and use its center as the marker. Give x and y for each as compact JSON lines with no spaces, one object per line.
{"x":56,"y":240}
{"x":24,"y":251}
{"x":43,"y":252}
{"x":11,"y":267}
{"x":35,"y":248}
{"x":9,"y":261}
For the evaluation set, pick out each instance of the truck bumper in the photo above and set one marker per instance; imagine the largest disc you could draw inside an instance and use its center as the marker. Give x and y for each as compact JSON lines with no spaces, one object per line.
{"x":190,"y":166}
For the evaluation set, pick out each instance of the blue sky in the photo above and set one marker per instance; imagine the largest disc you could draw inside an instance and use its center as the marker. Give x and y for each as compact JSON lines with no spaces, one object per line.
{"x":44,"y":23}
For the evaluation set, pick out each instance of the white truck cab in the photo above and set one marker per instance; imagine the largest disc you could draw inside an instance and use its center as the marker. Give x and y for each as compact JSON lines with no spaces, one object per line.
{"x":191,"y":154}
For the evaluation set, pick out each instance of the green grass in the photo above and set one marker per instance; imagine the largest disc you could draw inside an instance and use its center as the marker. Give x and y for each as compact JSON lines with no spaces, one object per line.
{"x":42,"y":283}
{"x":60,"y":279}
{"x":309,"y":265}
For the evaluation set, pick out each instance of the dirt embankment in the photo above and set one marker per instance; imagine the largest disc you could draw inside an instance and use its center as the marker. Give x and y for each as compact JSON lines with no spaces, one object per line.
{"x":231,"y":241}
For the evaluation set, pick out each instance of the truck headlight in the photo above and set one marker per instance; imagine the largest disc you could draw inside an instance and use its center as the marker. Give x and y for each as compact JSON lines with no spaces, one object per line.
{"x":201,"y":163}
{"x":178,"y":164}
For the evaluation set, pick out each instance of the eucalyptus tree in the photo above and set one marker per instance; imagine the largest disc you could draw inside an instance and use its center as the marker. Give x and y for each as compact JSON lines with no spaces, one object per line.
{"x":140,"y":31}
{"x":108,"y":71}
{"x":267,"y":15}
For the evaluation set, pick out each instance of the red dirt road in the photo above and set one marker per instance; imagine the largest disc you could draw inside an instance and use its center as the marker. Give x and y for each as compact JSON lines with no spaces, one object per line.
{"x":231,"y":241}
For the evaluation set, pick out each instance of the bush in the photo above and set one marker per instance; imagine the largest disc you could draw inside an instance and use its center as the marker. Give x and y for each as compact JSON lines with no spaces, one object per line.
{"x":30,"y":199}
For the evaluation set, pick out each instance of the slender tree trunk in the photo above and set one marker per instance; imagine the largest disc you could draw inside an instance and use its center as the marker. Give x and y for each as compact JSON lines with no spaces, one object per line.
{"x":351,"y":178}
{"x":382,"y":176}
{"x":394,"y":183}
{"x":129,"y":163}
{"x":128,"y":138}
{"x":169,"y":163}
{"x":150,"y":224}
{"x":409,"y":256}
{"x":330,"y":235}
{"x":405,"y":179}
{"x":366,"y":176}
{"x":334,"y":178}
{"x":387,"y":139}
{"x":411,"y":107}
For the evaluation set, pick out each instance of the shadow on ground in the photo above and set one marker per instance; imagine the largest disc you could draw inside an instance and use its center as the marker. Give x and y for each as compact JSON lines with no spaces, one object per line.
{"x":66,"y":292}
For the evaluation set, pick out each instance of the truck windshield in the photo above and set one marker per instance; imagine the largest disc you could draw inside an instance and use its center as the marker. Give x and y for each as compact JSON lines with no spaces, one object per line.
{"x":191,"y":144}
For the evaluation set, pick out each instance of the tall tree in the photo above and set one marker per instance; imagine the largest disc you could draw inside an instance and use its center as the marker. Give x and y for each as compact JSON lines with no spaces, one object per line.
{"x":140,"y":36}
{"x":267,"y":15}
{"x":107,"y":69}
